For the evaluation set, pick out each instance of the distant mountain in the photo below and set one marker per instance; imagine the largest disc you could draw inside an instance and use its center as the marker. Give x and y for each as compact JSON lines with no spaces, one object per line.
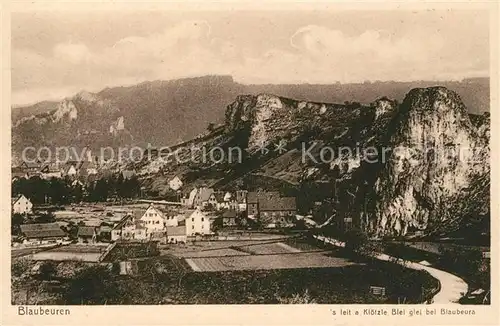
{"x":163,"y":113}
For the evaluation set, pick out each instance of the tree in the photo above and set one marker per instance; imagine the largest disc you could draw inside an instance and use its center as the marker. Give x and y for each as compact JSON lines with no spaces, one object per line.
{"x":47,"y":271}
{"x":356,"y":241}
{"x":101,"y":190}
{"x":58,"y":191}
{"x":16,"y":221}
{"x":92,"y":285}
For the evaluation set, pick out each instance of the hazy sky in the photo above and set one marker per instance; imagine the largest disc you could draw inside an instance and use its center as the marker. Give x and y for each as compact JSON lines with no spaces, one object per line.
{"x":57,"y":54}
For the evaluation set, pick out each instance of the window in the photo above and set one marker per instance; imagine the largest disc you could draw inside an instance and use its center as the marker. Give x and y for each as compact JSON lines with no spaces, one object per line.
{"x":192,"y":219}
{"x":202,"y":219}
{"x":202,"y":226}
{"x":192,"y":227}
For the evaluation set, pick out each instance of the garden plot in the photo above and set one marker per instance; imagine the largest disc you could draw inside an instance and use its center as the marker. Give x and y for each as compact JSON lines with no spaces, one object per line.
{"x":267,"y":261}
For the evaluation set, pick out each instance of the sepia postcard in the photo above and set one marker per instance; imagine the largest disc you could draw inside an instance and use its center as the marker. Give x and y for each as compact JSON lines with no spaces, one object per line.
{"x":259,"y":163}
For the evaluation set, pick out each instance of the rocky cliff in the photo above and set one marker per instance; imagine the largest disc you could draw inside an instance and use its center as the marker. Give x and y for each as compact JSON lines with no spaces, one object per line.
{"x":437,"y":155}
{"x":395,"y":169}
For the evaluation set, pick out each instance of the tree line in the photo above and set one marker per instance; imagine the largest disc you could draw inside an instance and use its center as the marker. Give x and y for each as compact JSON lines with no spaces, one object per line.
{"x":65,"y":191}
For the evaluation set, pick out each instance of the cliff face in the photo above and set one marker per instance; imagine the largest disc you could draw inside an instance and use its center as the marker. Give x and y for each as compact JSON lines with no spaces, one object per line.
{"x":436,"y":155}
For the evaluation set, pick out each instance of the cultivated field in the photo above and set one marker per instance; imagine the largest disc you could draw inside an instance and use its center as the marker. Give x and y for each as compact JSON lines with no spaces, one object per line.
{"x":255,"y":255}
{"x":263,"y":262}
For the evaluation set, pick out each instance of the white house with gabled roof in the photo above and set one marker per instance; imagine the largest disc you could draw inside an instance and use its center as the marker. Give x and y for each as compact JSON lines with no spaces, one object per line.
{"x":21,"y":205}
{"x":175,"y":183}
{"x":153,"y":219}
{"x":197,"y":223}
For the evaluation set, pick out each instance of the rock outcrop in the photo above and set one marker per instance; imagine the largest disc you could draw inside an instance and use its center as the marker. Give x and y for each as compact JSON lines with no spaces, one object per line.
{"x":436,"y":156}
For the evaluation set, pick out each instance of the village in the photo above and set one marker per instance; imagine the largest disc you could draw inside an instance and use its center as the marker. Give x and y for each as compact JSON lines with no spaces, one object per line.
{"x":81,"y":213}
{"x":88,"y":230}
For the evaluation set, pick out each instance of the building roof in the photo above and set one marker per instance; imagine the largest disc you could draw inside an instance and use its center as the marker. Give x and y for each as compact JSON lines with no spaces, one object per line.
{"x":42,"y":230}
{"x":254,"y":197}
{"x":277,"y":204}
{"x":13,"y":200}
{"x":123,"y":221}
{"x":86,"y":231}
{"x":50,"y":168}
{"x":176,"y":230}
{"x":32,"y":165}
{"x":204,"y":193}
{"x":219,"y":196}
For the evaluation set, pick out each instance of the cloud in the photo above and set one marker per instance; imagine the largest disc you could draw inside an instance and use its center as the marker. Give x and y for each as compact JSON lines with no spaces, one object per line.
{"x":315,"y":54}
{"x":74,"y":53}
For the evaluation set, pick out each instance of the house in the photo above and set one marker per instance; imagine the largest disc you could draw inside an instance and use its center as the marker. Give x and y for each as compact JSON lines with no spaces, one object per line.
{"x":117,"y":126}
{"x":241,"y":200}
{"x":202,"y":196}
{"x":271,"y":208}
{"x":129,"y":228}
{"x":228,"y":196}
{"x":188,"y":200}
{"x":253,"y":198}
{"x":128,"y":174}
{"x":197,"y":223}
{"x":87,"y":234}
{"x":31,"y":168}
{"x":153,"y":219}
{"x":175,"y":183}
{"x":277,"y":211}
{"x":42,"y":233}
{"x":104,"y":233}
{"x":173,"y":218}
{"x":216,"y":199}
{"x":176,"y":234}
{"x":21,"y":205}
{"x":51,"y":170}
{"x":229,"y":218}
{"x":70,"y":168}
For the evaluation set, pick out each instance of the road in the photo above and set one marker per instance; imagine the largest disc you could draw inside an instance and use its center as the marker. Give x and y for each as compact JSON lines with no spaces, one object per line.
{"x":452,"y":287}
{"x":20,"y":252}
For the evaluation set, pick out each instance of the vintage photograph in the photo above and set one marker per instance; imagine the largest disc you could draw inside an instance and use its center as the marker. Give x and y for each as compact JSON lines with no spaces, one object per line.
{"x":250,"y":157}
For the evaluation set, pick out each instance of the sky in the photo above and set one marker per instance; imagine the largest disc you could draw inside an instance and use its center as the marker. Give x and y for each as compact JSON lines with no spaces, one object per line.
{"x":57,"y":54}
